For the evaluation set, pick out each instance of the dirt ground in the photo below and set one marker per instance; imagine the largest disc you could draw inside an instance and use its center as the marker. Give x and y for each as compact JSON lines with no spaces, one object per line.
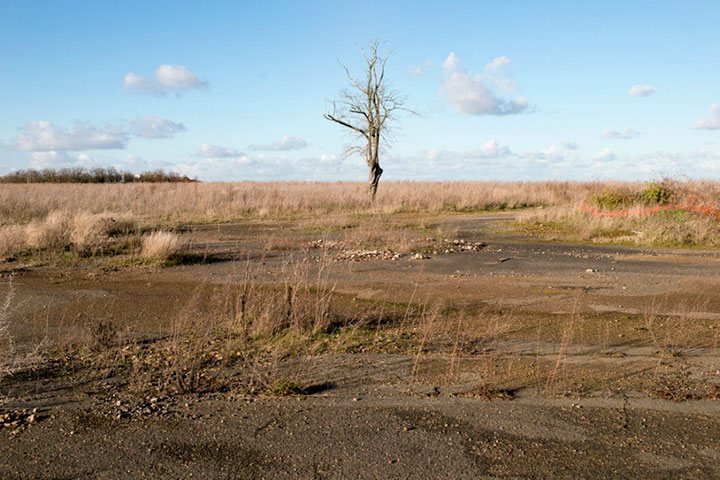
{"x":600,"y":362}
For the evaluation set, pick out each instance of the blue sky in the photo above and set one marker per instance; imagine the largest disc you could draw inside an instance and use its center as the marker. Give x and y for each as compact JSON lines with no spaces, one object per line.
{"x":237,"y":90}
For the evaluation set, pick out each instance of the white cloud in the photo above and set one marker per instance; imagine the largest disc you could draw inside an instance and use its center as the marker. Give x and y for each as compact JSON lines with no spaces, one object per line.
{"x":489,"y":149}
{"x":497,"y":72}
{"x":628,"y":133}
{"x":150,"y":126}
{"x":570,"y":145}
{"x":285,"y":143}
{"x":134,"y":163}
{"x":641,"y":90}
{"x":60,"y":159}
{"x":213,"y":151}
{"x":471,"y":94}
{"x":606,"y":155}
{"x":552,"y":156}
{"x":488,"y":153}
{"x":43,"y":136}
{"x":166,"y":79}
{"x":710,"y":123}
{"x":49,"y":159}
{"x":422,"y":69}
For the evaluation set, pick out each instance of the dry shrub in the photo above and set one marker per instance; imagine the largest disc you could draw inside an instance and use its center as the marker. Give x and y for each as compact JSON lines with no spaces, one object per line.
{"x":81,"y":231}
{"x":12,"y":239}
{"x":52,"y":234}
{"x":162,"y":245}
{"x":299,"y":303}
{"x":93,"y":231}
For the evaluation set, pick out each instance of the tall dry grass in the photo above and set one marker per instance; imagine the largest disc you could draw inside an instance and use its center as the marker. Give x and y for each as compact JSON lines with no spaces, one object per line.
{"x":162,"y":245}
{"x":212,"y":201}
{"x":670,"y":228}
{"x":62,"y":230}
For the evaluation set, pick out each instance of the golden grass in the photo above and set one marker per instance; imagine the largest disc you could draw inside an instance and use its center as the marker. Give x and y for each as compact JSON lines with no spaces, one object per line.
{"x":162,"y":245}
{"x":667,"y":228}
{"x":223,"y":201}
{"x":62,"y":230}
{"x":74,"y":216}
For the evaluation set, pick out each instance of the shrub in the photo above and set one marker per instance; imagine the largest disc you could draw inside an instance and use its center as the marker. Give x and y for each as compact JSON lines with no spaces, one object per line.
{"x":12,"y":239}
{"x":612,"y":200}
{"x":53,"y":234}
{"x":161,"y":246}
{"x":657,"y":193}
{"x":91,"y":231}
{"x":96,"y":175}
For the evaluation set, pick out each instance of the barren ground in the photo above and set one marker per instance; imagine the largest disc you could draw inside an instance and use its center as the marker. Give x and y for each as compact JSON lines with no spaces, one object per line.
{"x":601,"y":362}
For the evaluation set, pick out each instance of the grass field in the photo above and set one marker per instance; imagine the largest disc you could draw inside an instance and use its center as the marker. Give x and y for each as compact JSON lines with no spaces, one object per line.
{"x":286,"y":295}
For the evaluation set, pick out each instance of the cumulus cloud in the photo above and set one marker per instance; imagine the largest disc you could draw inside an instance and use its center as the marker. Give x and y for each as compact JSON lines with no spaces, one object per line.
{"x":628,"y":133}
{"x":473,"y":94}
{"x":712,"y":123}
{"x":570,"y":145}
{"x":150,"y":126}
{"x":489,"y":149}
{"x":285,"y":143}
{"x":213,"y":151}
{"x":606,"y":155}
{"x":60,"y":159}
{"x":497,"y":72}
{"x":43,"y":136}
{"x":641,"y":90}
{"x":166,"y":79}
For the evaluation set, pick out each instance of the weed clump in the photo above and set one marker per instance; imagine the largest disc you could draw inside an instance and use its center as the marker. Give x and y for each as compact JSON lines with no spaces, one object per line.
{"x":612,"y":200}
{"x":162,"y":245}
{"x":657,"y":193}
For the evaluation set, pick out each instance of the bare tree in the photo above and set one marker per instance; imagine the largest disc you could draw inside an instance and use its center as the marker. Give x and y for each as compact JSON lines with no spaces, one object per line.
{"x":367,"y":109}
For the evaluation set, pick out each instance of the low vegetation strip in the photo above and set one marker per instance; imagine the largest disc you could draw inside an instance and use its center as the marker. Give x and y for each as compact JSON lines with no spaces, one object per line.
{"x":96,"y":175}
{"x":708,"y":210}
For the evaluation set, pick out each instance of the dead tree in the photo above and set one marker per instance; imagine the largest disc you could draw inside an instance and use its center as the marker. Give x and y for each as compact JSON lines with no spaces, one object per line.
{"x":367,"y":109}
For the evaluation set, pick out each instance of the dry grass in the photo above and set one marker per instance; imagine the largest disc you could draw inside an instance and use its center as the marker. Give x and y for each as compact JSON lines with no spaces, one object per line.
{"x":12,"y":239}
{"x":258,"y":322}
{"x":61,"y":230}
{"x":624,"y":217}
{"x":7,"y":342}
{"x":51,"y":234}
{"x":74,"y":216}
{"x":222,"y":201}
{"x":14,"y":358}
{"x":162,"y":245}
{"x":666,"y":228}
{"x":94,"y":231}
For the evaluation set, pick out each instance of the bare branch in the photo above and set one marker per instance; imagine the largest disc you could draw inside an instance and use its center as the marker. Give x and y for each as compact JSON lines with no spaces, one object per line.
{"x":344,"y":124}
{"x":368,"y":108}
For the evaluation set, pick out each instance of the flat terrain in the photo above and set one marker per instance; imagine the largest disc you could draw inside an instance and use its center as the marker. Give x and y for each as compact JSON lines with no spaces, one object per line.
{"x":516,"y":358}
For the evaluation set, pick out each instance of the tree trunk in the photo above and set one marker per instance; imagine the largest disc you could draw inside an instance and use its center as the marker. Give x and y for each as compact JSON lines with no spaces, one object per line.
{"x":375,"y":172}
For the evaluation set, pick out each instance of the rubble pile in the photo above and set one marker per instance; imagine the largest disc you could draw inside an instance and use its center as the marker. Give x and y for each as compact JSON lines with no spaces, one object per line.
{"x":439,"y":246}
{"x":325,"y":244}
{"x":358,"y":255}
{"x":120,"y":409}
{"x":454,"y":246}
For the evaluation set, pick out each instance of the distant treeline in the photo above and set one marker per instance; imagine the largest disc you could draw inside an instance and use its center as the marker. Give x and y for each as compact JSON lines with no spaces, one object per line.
{"x":96,"y":175}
